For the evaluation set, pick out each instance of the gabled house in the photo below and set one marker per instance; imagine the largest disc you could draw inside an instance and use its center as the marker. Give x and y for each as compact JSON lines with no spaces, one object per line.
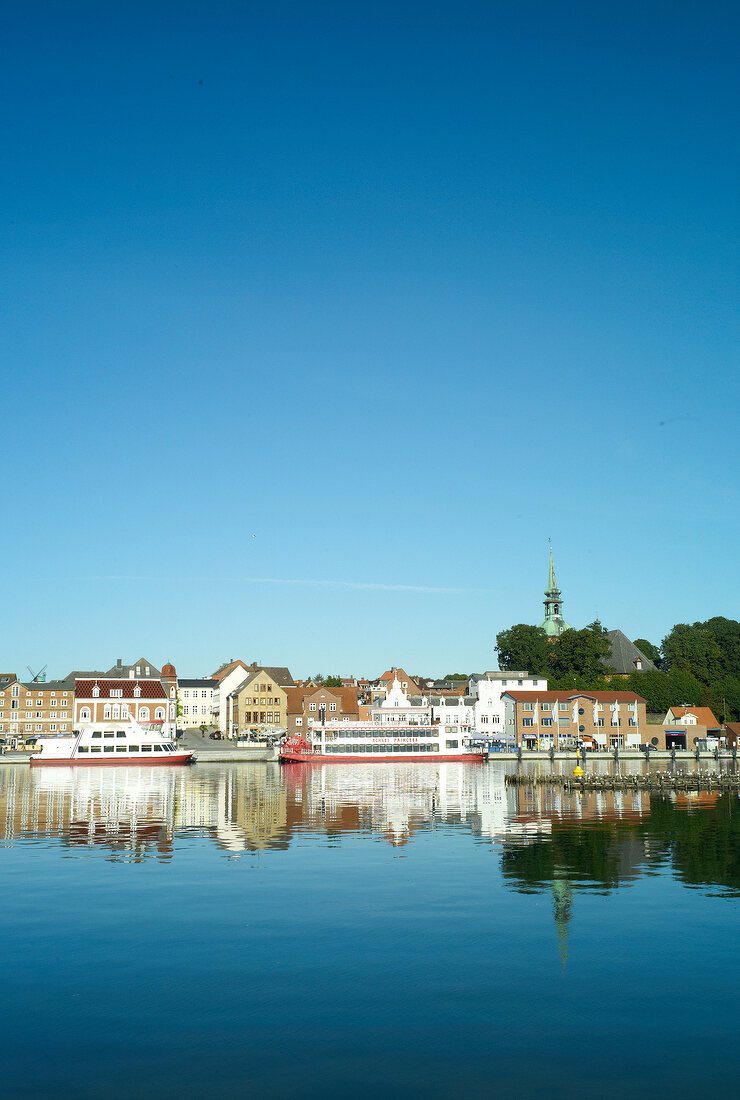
{"x":691,"y":716}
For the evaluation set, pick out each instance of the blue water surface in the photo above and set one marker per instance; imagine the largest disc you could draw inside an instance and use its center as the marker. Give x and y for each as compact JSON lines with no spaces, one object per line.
{"x":416,"y":930}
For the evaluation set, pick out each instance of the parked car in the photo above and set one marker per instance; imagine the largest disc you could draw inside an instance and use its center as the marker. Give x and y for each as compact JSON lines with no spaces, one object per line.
{"x":589,"y":744}
{"x":216,"y":736}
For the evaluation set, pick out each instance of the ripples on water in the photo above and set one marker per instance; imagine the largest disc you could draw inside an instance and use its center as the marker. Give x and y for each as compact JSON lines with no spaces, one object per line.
{"x":321,"y":930}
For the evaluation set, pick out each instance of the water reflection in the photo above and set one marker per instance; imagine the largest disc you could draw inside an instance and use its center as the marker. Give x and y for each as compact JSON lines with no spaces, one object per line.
{"x":546,"y":840}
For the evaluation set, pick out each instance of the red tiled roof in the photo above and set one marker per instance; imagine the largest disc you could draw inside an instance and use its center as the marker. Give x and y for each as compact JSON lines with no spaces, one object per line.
{"x":703,"y":715}
{"x":296,"y":695}
{"x":565,"y":696}
{"x":150,"y":689}
{"x":229,"y":668}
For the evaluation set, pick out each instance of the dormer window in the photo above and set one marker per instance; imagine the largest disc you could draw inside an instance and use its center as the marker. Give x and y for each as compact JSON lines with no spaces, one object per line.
{"x":117,"y":693}
{"x":137,"y":692}
{"x":96,"y":692}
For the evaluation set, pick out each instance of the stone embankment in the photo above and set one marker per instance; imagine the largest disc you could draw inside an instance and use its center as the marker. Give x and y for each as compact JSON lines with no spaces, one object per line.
{"x":655,"y":782}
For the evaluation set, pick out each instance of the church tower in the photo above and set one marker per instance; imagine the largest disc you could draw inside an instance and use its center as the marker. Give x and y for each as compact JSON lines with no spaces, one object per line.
{"x":554,"y":623}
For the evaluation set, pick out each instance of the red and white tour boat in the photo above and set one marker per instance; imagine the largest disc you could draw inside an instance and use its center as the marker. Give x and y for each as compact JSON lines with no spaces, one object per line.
{"x":370,"y":742}
{"x":124,"y":742}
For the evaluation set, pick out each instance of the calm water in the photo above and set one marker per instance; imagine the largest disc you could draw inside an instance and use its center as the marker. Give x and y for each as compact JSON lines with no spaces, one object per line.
{"x":415,"y":930}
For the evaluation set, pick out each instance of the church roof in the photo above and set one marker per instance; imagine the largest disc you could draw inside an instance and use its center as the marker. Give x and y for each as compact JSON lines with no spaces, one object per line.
{"x":625,"y":655}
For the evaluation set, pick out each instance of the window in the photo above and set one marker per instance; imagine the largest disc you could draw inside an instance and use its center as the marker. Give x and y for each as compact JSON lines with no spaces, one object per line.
{"x":96,"y":691}
{"x":159,"y":714}
{"x":65,"y":702}
{"x":332,"y":706}
{"x":203,"y":709}
{"x":116,"y":710}
{"x":83,"y":748}
{"x":527,"y":706}
{"x":186,"y":694}
{"x":157,"y":748}
{"x":106,"y":711}
{"x":85,"y":714}
{"x":116,"y":693}
{"x":146,"y":748}
{"x":97,"y":733}
{"x":547,"y":706}
{"x":563,"y":706}
{"x":451,"y":744}
{"x":186,"y":711}
{"x":526,"y":721}
{"x":52,"y":727}
{"x":143,"y":714}
{"x":547,"y":721}
{"x":204,"y":694}
{"x":39,"y":727}
{"x":63,"y":727}
{"x":108,"y":748}
{"x":108,"y":734}
{"x":53,"y":703}
{"x":133,"y":748}
{"x":137,"y":692}
{"x":96,"y":748}
{"x":120,"y":733}
{"x":299,"y":721}
{"x":120,"y":748}
{"x":312,"y":706}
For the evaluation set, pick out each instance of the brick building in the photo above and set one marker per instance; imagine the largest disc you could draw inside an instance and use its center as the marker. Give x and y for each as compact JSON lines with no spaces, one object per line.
{"x":109,"y":700}
{"x":36,"y":709}
{"x":560,"y":719}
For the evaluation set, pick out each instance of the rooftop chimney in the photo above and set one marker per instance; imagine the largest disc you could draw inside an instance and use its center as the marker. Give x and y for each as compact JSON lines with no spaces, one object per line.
{"x":119,"y":663}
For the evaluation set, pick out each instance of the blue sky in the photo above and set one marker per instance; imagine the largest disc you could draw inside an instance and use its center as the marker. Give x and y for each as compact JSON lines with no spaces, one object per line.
{"x":319,"y":319}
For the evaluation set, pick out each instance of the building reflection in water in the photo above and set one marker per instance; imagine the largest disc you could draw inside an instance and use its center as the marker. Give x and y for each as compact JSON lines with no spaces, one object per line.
{"x":250,"y":807}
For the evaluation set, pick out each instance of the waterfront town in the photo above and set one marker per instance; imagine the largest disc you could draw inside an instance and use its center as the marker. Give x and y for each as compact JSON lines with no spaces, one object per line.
{"x":241,"y":700}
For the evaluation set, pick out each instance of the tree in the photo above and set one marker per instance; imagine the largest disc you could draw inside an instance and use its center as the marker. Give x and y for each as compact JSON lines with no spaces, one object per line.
{"x":333,"y":682}
{"x":723,"y":697}
{"x":726,"y":633}
{"x":456,"y":676}
{"x":649,"y":650}
{"x":693,"y":649}
{"x":522,"y":647}
{"x":318,"y":679}
{"x":580,"y":653}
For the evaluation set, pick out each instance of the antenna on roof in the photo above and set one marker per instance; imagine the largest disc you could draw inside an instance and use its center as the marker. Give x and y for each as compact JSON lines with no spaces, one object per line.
{"x":38,"y":677}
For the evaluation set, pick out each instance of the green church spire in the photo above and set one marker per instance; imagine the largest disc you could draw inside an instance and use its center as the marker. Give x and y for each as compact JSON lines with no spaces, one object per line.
{"x":554,"y":623}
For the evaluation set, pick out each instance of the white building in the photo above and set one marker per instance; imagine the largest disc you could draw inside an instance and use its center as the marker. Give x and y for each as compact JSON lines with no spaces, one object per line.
{"x":399,"y":707}
{"x":488,"y":689}
{"x":227,"y":680}
{"x":196,"y":703}
{"x":455,"y":712}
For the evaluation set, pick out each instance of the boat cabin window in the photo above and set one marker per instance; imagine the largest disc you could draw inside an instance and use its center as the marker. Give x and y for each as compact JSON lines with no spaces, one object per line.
{"x":451,"y":744}
{"x":120,"y":733}
{"x":108,"y":748}
{"x":133,"y":748}
{"x":157,"y":748}
{"x":96,"y":748}
{"x":97,"y":733}
{"x":120,"y":748}
{"x":106,"y":734}
{"x":83,"y":748}
{"x":146,"y":748}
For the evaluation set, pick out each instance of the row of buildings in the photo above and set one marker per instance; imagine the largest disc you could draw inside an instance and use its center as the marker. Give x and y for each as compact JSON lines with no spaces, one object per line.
{"x":241,"y":700}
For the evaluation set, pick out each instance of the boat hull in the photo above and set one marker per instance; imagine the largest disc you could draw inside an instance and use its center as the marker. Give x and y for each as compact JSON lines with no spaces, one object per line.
{"x":377,"y":758}
{"x":121,"y":762}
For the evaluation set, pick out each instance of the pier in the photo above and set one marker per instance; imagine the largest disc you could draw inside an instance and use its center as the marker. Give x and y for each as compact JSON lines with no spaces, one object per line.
{"x":654,"y":782}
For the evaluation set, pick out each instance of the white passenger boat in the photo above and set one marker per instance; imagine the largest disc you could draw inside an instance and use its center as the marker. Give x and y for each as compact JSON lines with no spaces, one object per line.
{"x":371,"y":742}
{"x":124,"y":742}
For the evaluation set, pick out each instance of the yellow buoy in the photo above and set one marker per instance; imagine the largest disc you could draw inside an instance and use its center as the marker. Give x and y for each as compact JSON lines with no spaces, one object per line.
{"x":578,"y":771}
